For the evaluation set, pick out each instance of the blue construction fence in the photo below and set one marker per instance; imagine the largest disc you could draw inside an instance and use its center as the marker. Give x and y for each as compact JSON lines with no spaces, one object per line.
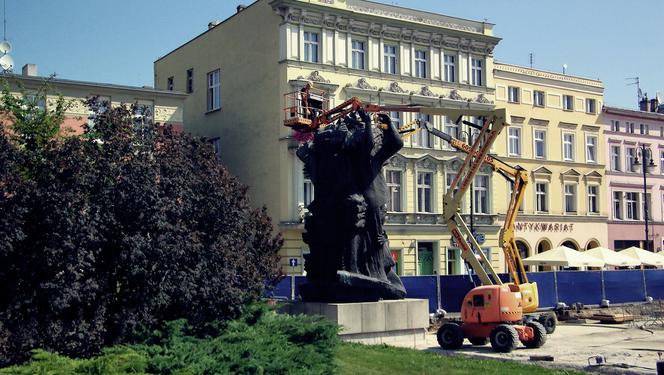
{"x":587,"y":287}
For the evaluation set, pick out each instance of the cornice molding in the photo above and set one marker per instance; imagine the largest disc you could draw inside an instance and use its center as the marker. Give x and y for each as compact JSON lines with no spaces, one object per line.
{"x":547,"y":75}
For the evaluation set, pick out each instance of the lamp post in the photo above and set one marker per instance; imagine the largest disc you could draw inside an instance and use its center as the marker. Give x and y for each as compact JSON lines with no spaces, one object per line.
{"x":646,"y":153}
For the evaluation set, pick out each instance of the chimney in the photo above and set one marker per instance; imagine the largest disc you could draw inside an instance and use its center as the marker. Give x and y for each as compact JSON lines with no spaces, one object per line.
{"x":213,"y":24}
{"x":30,"y":70}
{"x":644,"y":104}
{"x":240,"y":8}
{"x":654,"y":103}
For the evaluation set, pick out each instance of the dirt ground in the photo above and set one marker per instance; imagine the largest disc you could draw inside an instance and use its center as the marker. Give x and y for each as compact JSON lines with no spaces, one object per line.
{"x":628,"y":350}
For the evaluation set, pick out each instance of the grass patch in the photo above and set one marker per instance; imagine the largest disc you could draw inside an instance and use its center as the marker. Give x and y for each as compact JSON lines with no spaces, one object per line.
{"x":385,"y":360}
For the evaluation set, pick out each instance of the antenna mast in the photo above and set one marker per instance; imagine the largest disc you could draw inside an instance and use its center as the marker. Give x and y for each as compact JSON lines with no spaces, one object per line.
{"x":639,"y":93}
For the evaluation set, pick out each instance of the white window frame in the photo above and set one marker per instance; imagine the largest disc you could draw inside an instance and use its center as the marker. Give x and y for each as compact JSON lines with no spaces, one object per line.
{"x":544,"y":194}
{"x":661,"y":161}
{"x":449,"y":67}
{"x":542,"y":140}
{"x":421,"y":63}
{"x":617,"y":199}
{"x":390,"y":59}
{"x":423,"y":138}
{"x":214,"y":90}
{"x":615,"y":126}
{"x":514,"y":140}
{"x":634,"y":214}
{"x":593,"y":195}
{"x":568,"y":103}
{"x":390,"y":189}
{"x":420,"y":194}
{"x":571,"y":143}
{"x":311,"y":52}
{"x":538,"y":98}
{"x":476,"y":71}
{"x":574,"y":194}
{"x":592,"y":146}
{"x":591,"y":106}
{"x":629,"y":159}
{"x":616,"y":158}
{"x":480,"y":191}
{"x":513,"y":94}
{"x":358,"y":54}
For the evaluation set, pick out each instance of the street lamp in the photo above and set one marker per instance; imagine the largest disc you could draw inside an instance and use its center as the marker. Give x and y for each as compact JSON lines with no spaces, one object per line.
{"x":646,"y":153}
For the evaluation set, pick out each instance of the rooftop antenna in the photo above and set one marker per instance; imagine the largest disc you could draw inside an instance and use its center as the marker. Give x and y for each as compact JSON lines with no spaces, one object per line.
{"x":6,"y":61}
{"x":531,"y":60}
{"x":639,"y":93}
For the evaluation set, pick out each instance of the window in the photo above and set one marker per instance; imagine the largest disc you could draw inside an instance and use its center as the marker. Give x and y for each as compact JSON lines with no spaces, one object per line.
{"x":358,"y":53}
{"x":420,"y":64}
{"x":591,"y":149}
{"x":216,"y":147}
{"x":514,"y":141}
{"x":214,"y":91}
{"x":451,"y":128}
{"x":169,"y":84}
{"x":510,"y":189}
{"x":311,"y":46}
{"x":449,"y":68}
{"x":190,"y":81}
{"x":593,"y":197}
{"x":538,"y":98}
{"x":644,"y":129}
{"x":513,"y":94}
{"x":143,"y":115}
{"x":390,"y":59}
{"x":629,"y":127}
{"x":541,"y":201}
{"x":481,"y":194}
{"x":423,"y":138}
{"x":540,"y":144}
{"x":568,"y":103}
{"x":393,"y":180}
{"x":454,"y":264}
{"x":570,"y":198}
{"x":476,"y":72}
{"x":568,"y":146}
{"x":630,"y":154}
{"x":308,"y":192}
{"x":617,"y":205}
{"x":104,"y":104}
{"x":615,"y":158}
{"x":396,"y":119}
{"x":449,"y":178}
{"x":615,"y":125}
{"x":424,"y":192}
{"x":632,"y":206}
{"x":590,"y":106}
{"x":661,"y":162}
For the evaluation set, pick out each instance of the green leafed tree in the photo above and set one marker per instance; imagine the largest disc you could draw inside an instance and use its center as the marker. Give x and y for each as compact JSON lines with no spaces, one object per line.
{"x":119,"y":230}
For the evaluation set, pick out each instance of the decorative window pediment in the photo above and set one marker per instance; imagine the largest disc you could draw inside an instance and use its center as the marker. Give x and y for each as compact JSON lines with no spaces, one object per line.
{"x":570,"y":175}
{"x":593,"y":176}
{"x":398,"y":161}
{"x":426,"y":162}
{"x":542,"y":173}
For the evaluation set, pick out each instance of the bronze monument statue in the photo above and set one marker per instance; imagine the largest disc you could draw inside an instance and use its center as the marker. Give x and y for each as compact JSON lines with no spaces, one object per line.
{"x":349,"y":259}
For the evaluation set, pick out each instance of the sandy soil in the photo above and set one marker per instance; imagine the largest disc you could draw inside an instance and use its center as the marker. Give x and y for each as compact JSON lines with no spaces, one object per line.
{"x":627,"y":350}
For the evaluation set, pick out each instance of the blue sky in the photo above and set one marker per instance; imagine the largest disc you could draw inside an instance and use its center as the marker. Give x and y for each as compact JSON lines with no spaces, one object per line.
{"x":117,"y":41}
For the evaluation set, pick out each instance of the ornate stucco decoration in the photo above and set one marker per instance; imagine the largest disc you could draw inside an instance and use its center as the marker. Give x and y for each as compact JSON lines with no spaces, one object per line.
{"x":426,"y":91}
{"x":454,"y":95}
{"x":483,"y":99}
{"x":363,"y":84}
{"x":413,"y":18}
{"x":314,"y":77}
{"x":398,"y":161}
{"x":426,"y":162}
{"x":394,"y":87}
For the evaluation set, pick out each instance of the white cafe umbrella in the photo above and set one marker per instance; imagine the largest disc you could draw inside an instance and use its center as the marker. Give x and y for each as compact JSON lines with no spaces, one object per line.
{"x":644,"y":257}
{"x":612,"y":258}
{"x":563,"y":256}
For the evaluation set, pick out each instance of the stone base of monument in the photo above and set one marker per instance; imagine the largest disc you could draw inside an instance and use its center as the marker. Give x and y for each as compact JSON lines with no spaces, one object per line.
{"x":398,"y":322}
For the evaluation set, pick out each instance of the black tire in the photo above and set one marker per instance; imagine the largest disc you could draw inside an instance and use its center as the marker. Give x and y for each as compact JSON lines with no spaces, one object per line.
{"x":504,"y":338}
{"x":450,"y":336}
{"x":549,"y":321}
{"x":540,"y":335}
{"x":478,"y":341}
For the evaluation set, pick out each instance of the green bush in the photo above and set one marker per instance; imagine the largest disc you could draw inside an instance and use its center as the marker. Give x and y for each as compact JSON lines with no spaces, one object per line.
{"x":260,"y":342}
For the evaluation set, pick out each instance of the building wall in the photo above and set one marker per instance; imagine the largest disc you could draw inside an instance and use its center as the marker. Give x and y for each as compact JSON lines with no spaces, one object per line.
{"x":555,"y":225}
{"x":269,"y":61}
{"x":623,"y":131}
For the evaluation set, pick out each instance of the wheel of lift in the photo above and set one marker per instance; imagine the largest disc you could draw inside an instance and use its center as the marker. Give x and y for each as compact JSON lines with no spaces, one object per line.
{"x":450,"y":336}
{"x":504,"y":338}
{"x":549,"y":321}
{"x":540,"y":335}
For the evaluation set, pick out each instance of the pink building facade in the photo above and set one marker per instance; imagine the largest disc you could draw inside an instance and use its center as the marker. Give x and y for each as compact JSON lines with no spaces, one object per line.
{"x":628,"y":134}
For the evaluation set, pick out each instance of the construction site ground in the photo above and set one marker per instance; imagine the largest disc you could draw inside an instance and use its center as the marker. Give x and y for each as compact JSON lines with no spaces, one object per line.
{"x":632,"y":347}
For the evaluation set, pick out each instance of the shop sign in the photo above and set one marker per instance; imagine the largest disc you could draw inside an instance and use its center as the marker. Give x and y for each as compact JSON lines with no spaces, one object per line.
{"x":544,"y":227}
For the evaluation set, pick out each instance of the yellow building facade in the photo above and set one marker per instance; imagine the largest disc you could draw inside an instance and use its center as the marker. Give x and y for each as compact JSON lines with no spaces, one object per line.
{"x":236,"y":74}
{"x":556,"y":136}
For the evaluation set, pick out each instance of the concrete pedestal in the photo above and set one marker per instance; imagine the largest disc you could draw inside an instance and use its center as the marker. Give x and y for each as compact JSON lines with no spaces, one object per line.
{"x":399,"y":322}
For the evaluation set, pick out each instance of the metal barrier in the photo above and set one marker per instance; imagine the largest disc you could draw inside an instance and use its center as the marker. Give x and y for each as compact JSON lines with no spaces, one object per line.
{"x":587,"y":287}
